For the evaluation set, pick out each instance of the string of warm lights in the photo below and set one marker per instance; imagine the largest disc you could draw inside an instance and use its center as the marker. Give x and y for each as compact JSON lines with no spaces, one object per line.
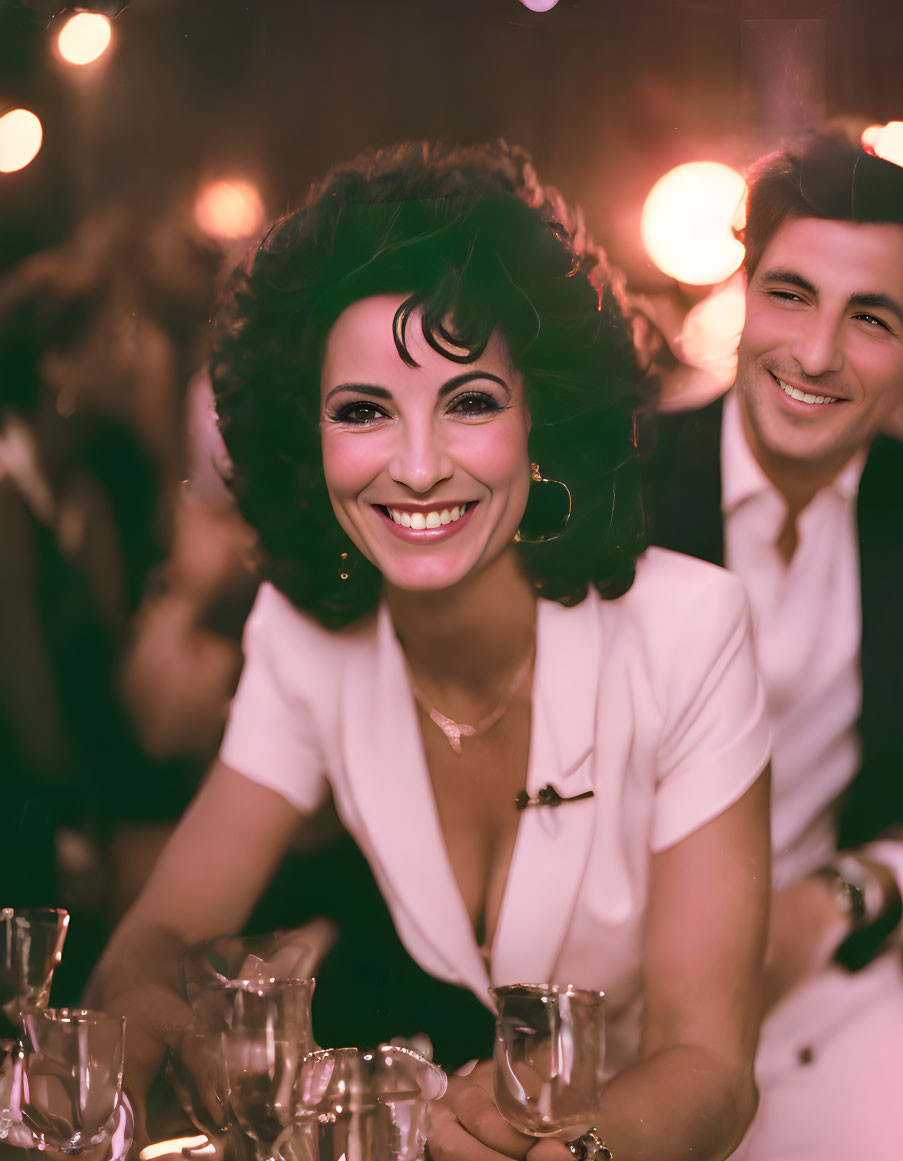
{"x":226,"y":209}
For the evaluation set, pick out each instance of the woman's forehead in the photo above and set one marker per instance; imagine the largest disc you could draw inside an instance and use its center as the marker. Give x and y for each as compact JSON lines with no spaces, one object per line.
{"x":362,"y":341}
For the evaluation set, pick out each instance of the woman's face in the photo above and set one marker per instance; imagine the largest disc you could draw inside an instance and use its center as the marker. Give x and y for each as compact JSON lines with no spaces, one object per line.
{"x":427,"y":466}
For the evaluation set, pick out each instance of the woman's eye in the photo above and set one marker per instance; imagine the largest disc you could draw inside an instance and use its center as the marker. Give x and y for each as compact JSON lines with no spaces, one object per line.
{"x":359,"y":413}
{"x":475,"y":403}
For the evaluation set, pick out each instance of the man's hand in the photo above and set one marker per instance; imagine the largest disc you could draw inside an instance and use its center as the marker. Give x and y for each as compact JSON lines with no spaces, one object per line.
{"x":805,"y":930}
{"x":467,"y":1126}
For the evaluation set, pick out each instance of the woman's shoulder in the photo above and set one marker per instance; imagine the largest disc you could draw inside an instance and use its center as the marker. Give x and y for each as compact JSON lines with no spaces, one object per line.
{"x":675,"y":577}
{"x":677,"y":600}
{"x":294,"y":642}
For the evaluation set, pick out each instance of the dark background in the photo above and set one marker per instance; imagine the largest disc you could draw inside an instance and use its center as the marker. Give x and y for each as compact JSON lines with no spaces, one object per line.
{"x":605,"y":95}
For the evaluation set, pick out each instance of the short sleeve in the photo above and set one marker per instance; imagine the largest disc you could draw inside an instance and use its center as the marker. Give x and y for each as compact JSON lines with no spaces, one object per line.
{"x":715,"y":739}
{"x":271,"y":735}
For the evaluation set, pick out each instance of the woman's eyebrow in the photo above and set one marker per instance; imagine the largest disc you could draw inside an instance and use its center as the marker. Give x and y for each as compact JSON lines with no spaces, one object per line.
{"x":469,"y":377}
{"x":360,"y":389}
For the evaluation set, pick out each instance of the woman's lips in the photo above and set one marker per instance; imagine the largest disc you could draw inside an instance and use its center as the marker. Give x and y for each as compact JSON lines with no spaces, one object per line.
{"x":418,"y":524}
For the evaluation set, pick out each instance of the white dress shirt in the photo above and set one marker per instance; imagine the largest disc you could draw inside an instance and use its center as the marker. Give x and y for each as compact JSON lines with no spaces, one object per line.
{"x":807,"y":624}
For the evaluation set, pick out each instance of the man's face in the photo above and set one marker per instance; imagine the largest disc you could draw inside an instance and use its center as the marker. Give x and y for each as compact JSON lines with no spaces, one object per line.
{"x":821,"y":355}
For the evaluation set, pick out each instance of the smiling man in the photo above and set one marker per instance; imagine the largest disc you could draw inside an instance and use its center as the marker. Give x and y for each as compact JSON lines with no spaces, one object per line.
{"x":790,"y":483}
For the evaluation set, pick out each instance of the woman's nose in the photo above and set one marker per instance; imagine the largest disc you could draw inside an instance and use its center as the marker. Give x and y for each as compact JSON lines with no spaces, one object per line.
{"x":817,"y":346}
{"x":420,"y":459}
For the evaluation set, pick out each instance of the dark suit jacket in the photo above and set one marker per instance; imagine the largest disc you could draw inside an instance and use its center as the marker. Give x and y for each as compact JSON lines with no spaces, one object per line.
{"x":683,"y":501}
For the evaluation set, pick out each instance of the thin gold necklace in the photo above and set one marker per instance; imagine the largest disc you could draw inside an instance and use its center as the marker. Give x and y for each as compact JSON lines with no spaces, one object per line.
{"x":455,"y":731}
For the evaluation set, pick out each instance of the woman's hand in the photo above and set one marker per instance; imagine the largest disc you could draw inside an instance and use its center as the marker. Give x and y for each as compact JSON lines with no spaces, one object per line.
{"x":467,"y":1126}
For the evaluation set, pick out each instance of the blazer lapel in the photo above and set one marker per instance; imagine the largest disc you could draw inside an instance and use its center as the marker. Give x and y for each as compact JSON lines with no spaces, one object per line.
{"x":553,"y":844}
{"x":682,"y":483}
{"x":876,"y":797}
{"x":398,"y":820}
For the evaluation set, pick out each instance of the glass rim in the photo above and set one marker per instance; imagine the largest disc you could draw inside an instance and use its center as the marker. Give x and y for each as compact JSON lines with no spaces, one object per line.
{"x":74,"y":1015}
{"x":260,"y":984}
{"x":52,"y":916}
{"x":571,"y":991}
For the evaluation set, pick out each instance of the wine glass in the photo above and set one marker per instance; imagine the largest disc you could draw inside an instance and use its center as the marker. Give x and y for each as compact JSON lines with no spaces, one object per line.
{"x":549,"y":1055}
{"x":72,"y":1077}
{"x":365,"y":1104}
{"x":31,"y":945}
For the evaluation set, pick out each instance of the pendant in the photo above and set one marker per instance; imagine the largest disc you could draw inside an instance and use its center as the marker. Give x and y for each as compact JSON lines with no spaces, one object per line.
{"x":453,"y":730}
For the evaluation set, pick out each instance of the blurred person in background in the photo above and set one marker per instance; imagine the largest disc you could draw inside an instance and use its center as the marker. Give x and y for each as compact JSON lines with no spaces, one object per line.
{"x":93,"y":340}
{"x":791,"y":483}
{"x":426,"y":387}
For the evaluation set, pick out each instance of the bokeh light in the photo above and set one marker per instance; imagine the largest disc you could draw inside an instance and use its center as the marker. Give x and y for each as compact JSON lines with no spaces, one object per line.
{"x":84,"y":37}
{"x":539,"y":5}
{"x":885,"y":141}
{"x":196,"y":1146}
{"x":688,"y":219}
{"x":21,"y":135}
{"x":228,"y":209}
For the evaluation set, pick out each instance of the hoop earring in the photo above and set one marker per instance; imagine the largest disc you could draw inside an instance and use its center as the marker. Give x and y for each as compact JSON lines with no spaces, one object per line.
{"x":538,"y":478}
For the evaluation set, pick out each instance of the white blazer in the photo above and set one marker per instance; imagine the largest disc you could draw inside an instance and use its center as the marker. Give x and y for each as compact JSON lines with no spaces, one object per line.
{"x":652,"y":701}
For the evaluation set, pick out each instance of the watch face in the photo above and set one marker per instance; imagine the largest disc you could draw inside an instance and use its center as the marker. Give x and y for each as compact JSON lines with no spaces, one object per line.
{"x":848,"y":896}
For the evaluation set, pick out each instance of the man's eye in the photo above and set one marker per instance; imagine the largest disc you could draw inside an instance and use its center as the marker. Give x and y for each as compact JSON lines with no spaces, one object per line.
{"x":474,"y":403}
{"x":873,"y":321}
{"x":784,"y":296}
{"x":359,"y":413}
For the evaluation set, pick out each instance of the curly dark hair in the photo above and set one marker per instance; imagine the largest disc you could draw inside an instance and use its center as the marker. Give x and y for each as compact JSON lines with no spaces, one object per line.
{"x":827,"y":175}
{"x":475,"y":242}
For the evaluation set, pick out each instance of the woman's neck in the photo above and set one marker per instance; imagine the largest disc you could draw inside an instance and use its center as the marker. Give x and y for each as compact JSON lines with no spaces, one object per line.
{"x":471,"y":636}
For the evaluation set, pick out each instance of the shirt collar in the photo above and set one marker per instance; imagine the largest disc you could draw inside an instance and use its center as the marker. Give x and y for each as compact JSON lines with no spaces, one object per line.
{"x":741,"y":475}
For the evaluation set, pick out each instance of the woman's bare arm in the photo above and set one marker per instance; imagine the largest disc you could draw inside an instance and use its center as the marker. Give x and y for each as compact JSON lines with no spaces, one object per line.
{"x":220,"y":858}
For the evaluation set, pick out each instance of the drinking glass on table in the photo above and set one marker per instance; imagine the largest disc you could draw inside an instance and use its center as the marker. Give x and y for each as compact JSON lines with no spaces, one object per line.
{"x":31,"y":944}
{"x":236,"y":1065}
{"x":279,"y":955}
{"x":72,"y":1078}
{"x":549,"y":1054}
{"x":356,"y":1104}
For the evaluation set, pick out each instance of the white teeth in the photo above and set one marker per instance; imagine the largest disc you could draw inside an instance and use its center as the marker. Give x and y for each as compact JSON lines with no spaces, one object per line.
{"x":433,"y":519}
{"x":802,"y":396}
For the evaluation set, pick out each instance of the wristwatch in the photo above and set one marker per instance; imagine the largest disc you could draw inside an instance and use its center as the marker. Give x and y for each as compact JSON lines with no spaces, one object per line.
{"x":857,"y":893}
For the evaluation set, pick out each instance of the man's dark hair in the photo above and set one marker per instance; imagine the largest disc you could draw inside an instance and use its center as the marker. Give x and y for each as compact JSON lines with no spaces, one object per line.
{"x":829,"y":176}
{"x":473,"y":242}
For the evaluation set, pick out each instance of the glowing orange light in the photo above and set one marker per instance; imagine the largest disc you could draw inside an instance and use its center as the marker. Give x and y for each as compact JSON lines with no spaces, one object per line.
{"x":885,"y":141}
{"x":687,"y":222}
{"x":711,"y":331}
{"x":198,"y":1146}
{"x":84,"y":37}
{"x":21,"y":135}
{"x":228,"y":209}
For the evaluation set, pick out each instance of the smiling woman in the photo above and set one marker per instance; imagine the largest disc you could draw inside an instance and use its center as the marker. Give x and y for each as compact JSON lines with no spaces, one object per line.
{"x":426,"y":385}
